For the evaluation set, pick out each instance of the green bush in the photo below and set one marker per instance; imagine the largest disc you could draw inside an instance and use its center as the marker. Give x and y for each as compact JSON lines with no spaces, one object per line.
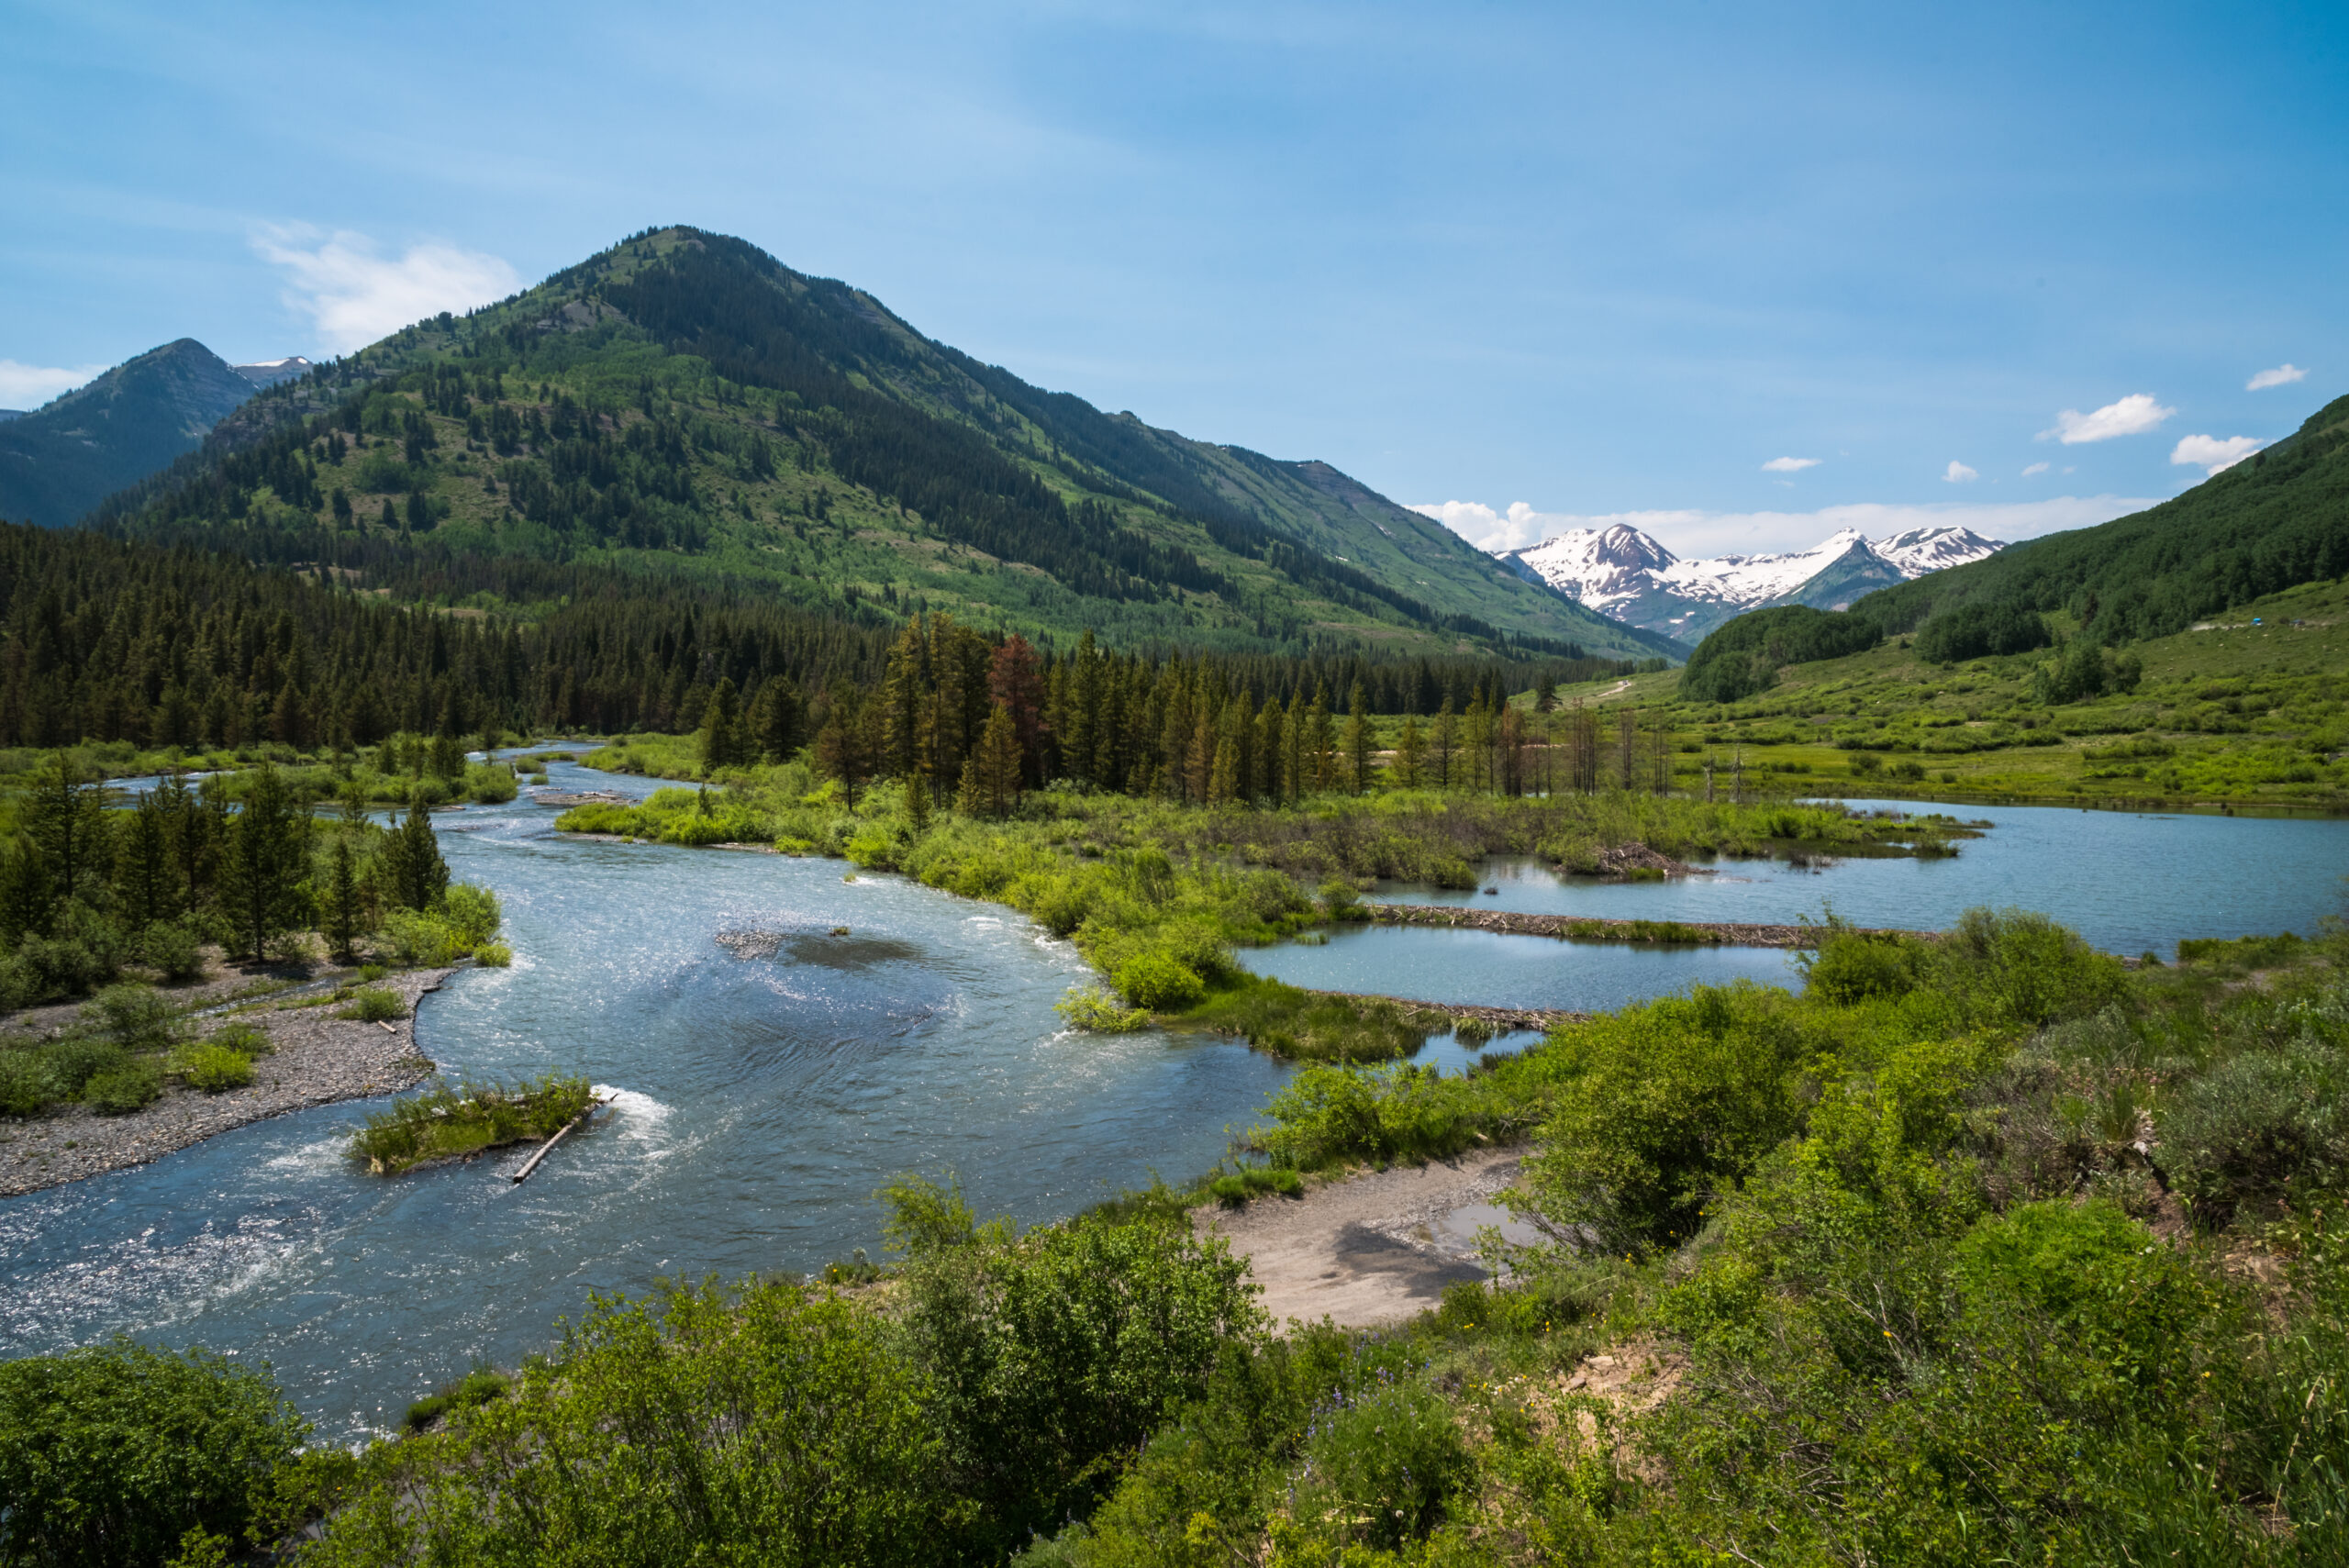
{"x":175,"y":948}
{"x":375,"y":1004}
{"x":119,"y":1091}
{"x":26,"y":1083}
{"x":110,"y":1455}
{"x":471,"y":913}
{"x":215,"y":1069}
{"x":1095,"y":1011}
{"x":421,"y":940}
{"x":1158,"y":982}
{"x":493,"y":955}
{"x":2256,"y":1130}
{"x":75,"y":1059}
{"x":768,"y":1426}
{"x":245,"y":1039}
{"x":137,"y":1017}
{"x":2013,"y":967}
{"x":1848,"y":966}
{"x":1378,"y":1470}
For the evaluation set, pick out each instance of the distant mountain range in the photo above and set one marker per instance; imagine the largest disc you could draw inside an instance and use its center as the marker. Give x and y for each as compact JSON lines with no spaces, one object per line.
{"x":60,"y":459}
{"x":1629,"y":576}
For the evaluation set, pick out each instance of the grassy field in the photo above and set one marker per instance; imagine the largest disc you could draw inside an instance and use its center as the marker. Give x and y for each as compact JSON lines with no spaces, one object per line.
{"x":2249,"y":712}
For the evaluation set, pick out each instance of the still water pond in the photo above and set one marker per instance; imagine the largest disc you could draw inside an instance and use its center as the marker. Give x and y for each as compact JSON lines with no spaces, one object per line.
{"x":2128,"y":882}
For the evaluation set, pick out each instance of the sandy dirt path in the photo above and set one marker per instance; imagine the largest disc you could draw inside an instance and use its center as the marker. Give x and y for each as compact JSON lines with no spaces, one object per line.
{"x":1370,"y":1249}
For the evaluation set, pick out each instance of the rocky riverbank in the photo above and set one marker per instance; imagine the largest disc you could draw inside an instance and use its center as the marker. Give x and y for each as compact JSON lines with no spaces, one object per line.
{"x":318,"y":1060}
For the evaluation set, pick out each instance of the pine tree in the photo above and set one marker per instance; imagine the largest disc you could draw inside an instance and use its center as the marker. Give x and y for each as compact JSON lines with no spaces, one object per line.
{"x":991,"y":777}
{"x":66,"y":818}
{"x":342,"y":903}
{"x":1408,"y":751}
{"x":843,"y":747}
{"x":1358,"y":741}
{"x":418,"y":875}
{"x":143,"y":873}
{"x":1447,"y":741}
{"x":268,"y":855}
{"x":721,"y":739}
{"x":919,"y":804}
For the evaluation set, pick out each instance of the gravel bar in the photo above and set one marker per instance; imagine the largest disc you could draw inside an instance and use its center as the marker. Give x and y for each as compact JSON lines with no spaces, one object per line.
{"x":319,"y":1059}
{"x":1587,"y":929}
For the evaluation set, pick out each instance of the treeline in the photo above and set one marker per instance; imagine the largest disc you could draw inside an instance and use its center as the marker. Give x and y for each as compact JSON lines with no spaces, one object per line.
{"x":108,"y":640}
{"x":956,"y":711}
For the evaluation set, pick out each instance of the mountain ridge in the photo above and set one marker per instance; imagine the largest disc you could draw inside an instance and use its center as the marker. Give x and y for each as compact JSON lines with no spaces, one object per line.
{"x":63,"y":458}
{"x":769,"y":401}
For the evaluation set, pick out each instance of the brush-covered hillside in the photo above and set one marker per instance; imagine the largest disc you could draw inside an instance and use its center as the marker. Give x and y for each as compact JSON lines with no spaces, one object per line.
{"x":685,"y":404}
{"x":2274,"y":521}
{"x":59,"y":460}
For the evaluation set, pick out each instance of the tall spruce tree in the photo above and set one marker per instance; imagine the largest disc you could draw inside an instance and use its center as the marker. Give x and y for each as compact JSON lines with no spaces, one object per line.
{"x":268,"y":858}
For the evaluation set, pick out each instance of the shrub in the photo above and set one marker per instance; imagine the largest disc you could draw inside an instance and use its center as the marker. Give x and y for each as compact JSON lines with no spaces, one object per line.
{"x":246,"y":1040}
{"x":445,"y":1121}
{"x":493,"y":955}
{"x":110,"y":1455}
{"x":75,"y":1061}
{"x":1158,"y":982}
{"x":1848,"y":966}
{"x":175,"y":948}
{"x":770,"y":1426}
{"x":421,"y":940}
{"x":2016,"y":968}
{"x":1095,"y":1011}
{"x":1377,"y":1470}
{"x":375,"y":1004}
{"x":2257,"y":1128}
{"x":472,"y":914}
{"x":137,"y":1017}
{"x":119,"y":1091}
{"x":214,"y":1068}
{"x":26,"y":1083}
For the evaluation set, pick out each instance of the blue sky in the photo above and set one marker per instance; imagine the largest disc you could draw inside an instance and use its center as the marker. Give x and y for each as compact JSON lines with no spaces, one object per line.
{"x":1582,"y":261}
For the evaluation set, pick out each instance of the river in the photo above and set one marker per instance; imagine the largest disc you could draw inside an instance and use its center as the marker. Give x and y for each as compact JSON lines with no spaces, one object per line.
{"x":760,"y":1101}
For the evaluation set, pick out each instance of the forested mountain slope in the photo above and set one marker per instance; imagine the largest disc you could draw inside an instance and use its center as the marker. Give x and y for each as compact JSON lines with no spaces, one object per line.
{"x":59,"y":460}
{"x":684,"y":404}
{"x":2277,"y":519}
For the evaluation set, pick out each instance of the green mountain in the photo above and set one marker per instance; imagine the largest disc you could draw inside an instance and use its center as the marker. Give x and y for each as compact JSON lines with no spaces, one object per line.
{"x":59,"y":460}
{"x":2277,"y":519}
{"x":683,"y":403}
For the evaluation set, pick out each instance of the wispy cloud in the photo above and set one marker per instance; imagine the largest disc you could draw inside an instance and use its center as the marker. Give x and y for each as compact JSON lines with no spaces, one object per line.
{"x":1958,"y":473}
{"x":2212,"y":452}
{"x":29,"y":387}
{"x":355,"y":294}
{"x":2132,"y":415}
{"x":2034,"y":467}
{"x":1690,"y":532}
{"x":2282,"y":375}
{"x":1789,"y":465}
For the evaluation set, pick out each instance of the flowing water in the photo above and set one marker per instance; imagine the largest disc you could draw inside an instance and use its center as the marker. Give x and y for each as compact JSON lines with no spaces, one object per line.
{"x":2129,"y":881}
{"x":759,"y":1100}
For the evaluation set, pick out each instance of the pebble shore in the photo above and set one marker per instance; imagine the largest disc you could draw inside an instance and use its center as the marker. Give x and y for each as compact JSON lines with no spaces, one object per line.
{"x":319,"y":1059}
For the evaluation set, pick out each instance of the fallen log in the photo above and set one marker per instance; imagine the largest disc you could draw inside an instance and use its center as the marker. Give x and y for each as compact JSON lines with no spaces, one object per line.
{"x":532,"y":1163}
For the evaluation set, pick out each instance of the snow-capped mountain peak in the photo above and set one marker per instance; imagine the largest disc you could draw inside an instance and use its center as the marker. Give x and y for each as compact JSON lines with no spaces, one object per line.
{"x":1629,"y":576}
{"x":1919,"y":550}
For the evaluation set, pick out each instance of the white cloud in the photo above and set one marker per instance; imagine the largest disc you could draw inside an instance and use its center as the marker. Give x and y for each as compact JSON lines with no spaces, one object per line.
{"x":2132,"y":415}
{"x":2282,"y":375}
{"x":1789,"y":465}
{"x":1958,"y":473}
{"x":2213,"y":453}
{"x":2034,"y":467}
{"x":1692,"y":532}
{"x":29,"y":387}
{"x":356,"y":295}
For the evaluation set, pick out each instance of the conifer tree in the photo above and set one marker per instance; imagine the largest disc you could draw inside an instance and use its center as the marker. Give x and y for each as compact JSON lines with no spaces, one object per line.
{"x":66,"y":818}
{"x":1408,"y":751}
{"x":268,"y":855}
{"x":412,"y":856}
{"x":342,"y":903}
{"x":991,"y":777}
{"x":143,"y":873}
{"x":720,"y":739}
{"x":1358,"y":741}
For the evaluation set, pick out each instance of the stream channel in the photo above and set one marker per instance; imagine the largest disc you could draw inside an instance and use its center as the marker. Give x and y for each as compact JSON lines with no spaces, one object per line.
{"x":759,"y":1101}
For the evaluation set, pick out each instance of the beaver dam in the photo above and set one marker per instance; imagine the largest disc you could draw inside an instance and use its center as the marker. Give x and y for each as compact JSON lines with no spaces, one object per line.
{"x":454,"y":1122}
{"x":1585,"y":929}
